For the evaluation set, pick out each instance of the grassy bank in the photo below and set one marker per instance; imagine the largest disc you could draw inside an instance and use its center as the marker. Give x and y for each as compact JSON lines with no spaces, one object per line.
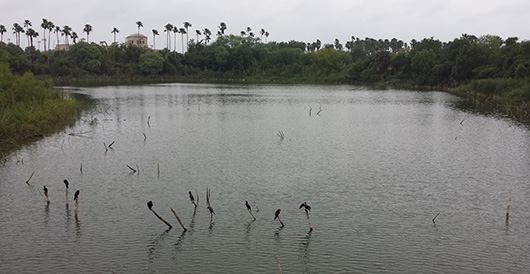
{"x":31,"y":109}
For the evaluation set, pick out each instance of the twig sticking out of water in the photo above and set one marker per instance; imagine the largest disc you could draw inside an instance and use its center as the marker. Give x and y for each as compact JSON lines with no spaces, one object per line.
{"x":31,"y":176}
{"x":133,"y":170}
{"x":508,"y":209}
{"x":150,"y":206}
{"x":281,"y":135}
{"x":433,"y":219}
{"x":462,"y":122}
{"x":106,"y":149}
{"x":277,"y":216}
{"x":66,"y":184}
{"x":208,"y":202}
{"x":145,"y":136}
{"x":137,"y":168}
{"x":110,"y":145}
{"x":81,"y":168}
{"x":192,"y":199}
{"x":149,"y":121}
{"x":310,"y":109}
{"x":307,"y":208}
{"x":46,"y":195}
{"x":178,"y":219}
{"x":158,"y":168}
{"x":76,"y":199}
{"x":249,"y":210}
{"x":319,"y":110}
{"x":279,"y":268}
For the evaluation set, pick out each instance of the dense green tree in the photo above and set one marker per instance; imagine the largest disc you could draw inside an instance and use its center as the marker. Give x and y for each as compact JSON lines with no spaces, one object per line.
{"x":151,"y":63}
{"x":86,"y":57}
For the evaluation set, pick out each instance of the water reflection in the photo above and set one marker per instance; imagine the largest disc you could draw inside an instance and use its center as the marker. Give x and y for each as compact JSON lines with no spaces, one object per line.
{"x":156,"y":242}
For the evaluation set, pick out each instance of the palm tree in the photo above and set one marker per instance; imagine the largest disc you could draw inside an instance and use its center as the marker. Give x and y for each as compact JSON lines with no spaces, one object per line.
{"x":17,"y":29}
{"x":155,"y":32}
{"x":182,"y":32}
{"x":198,"y":33}
{"x":262,"y":32}
{"x":2,"y":31}
{"x":74,"y":36}
{"x":31,"y":33}
{"x":87,"y":29}
{"x":207,"y":34}
{"x":57,"y":30}
{"x":114,"y":30}
{"x":187,"y":25}
{"x":139,"y":24}
{"x":27,"y":24}
{"x":44,"y":26}
{"x":67,"y":33}
{"x":51,"y":26}
{"x":175,"y":31}
{"x":222,"y":27}
{"x":167,"y":29}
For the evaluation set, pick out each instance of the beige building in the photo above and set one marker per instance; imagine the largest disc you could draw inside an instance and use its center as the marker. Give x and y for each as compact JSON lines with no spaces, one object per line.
{"x":137,"y":39}
{"x":62,"y":47}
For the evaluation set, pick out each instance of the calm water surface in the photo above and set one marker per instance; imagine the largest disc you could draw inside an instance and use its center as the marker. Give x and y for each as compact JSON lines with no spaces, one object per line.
{"x":375,"y":165}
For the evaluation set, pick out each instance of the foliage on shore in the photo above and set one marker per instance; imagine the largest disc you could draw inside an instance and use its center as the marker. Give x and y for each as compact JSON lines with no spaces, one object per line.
{"x":30,"y":108}
{"x":498,"y":69}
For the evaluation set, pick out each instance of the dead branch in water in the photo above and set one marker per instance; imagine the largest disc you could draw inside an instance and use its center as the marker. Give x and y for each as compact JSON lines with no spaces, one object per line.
{"x":149,"y":121}
{"x":110,"y":145}
{"x":145,"y":136}
{"x":178,"y":219}
{"x":310,"y":109}
{"x":435,"y":218}
{"x":319,"y":110}
{"x":133,"y":170}
{"x":150,"y":206}
{"x":81,"y":168}
{"x":31,"y":176}
{"x":508,"y":209}
{"x":281,"y":135}
{"x":106,"y":149}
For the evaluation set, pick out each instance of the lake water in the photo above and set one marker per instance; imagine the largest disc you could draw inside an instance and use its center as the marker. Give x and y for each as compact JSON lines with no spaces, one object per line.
{"x":376,"y":166}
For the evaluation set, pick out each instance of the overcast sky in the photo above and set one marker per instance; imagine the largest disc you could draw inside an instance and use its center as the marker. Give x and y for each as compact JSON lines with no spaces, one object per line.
{"x":285,"y":20}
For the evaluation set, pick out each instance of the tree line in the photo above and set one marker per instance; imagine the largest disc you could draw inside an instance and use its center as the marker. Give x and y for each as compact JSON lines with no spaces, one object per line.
{"x":494,"y":65}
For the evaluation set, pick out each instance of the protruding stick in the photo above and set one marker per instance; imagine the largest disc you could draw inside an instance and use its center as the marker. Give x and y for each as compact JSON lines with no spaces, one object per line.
{"x":249,"y":209}
{"x":158,"y":168}
{"x":31,"y":176}
{"x":308,"y":220}
{"x":508,"y":209}
{"x":178,"y":219}
{"x":110,"y":145}
{"x":435,"y":218}
{"x":307,"y":208}
{"x":145,"y":136}
{"x":279,"y":268}
{"x":133,"y":170}
{"x":46,"y":194}
{"x":277,"y":216}
{"x":149,"y":121}
{"x":76,"y":199}
{"x":106,"y":149}
{"x":150,"y":206}
{"x":81,"y":168}
{"x":67,"y":186}
{"x":192,"y":198}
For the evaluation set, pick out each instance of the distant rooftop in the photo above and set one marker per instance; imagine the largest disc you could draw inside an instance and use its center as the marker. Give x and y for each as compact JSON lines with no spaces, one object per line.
{"x":136,"y":35}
